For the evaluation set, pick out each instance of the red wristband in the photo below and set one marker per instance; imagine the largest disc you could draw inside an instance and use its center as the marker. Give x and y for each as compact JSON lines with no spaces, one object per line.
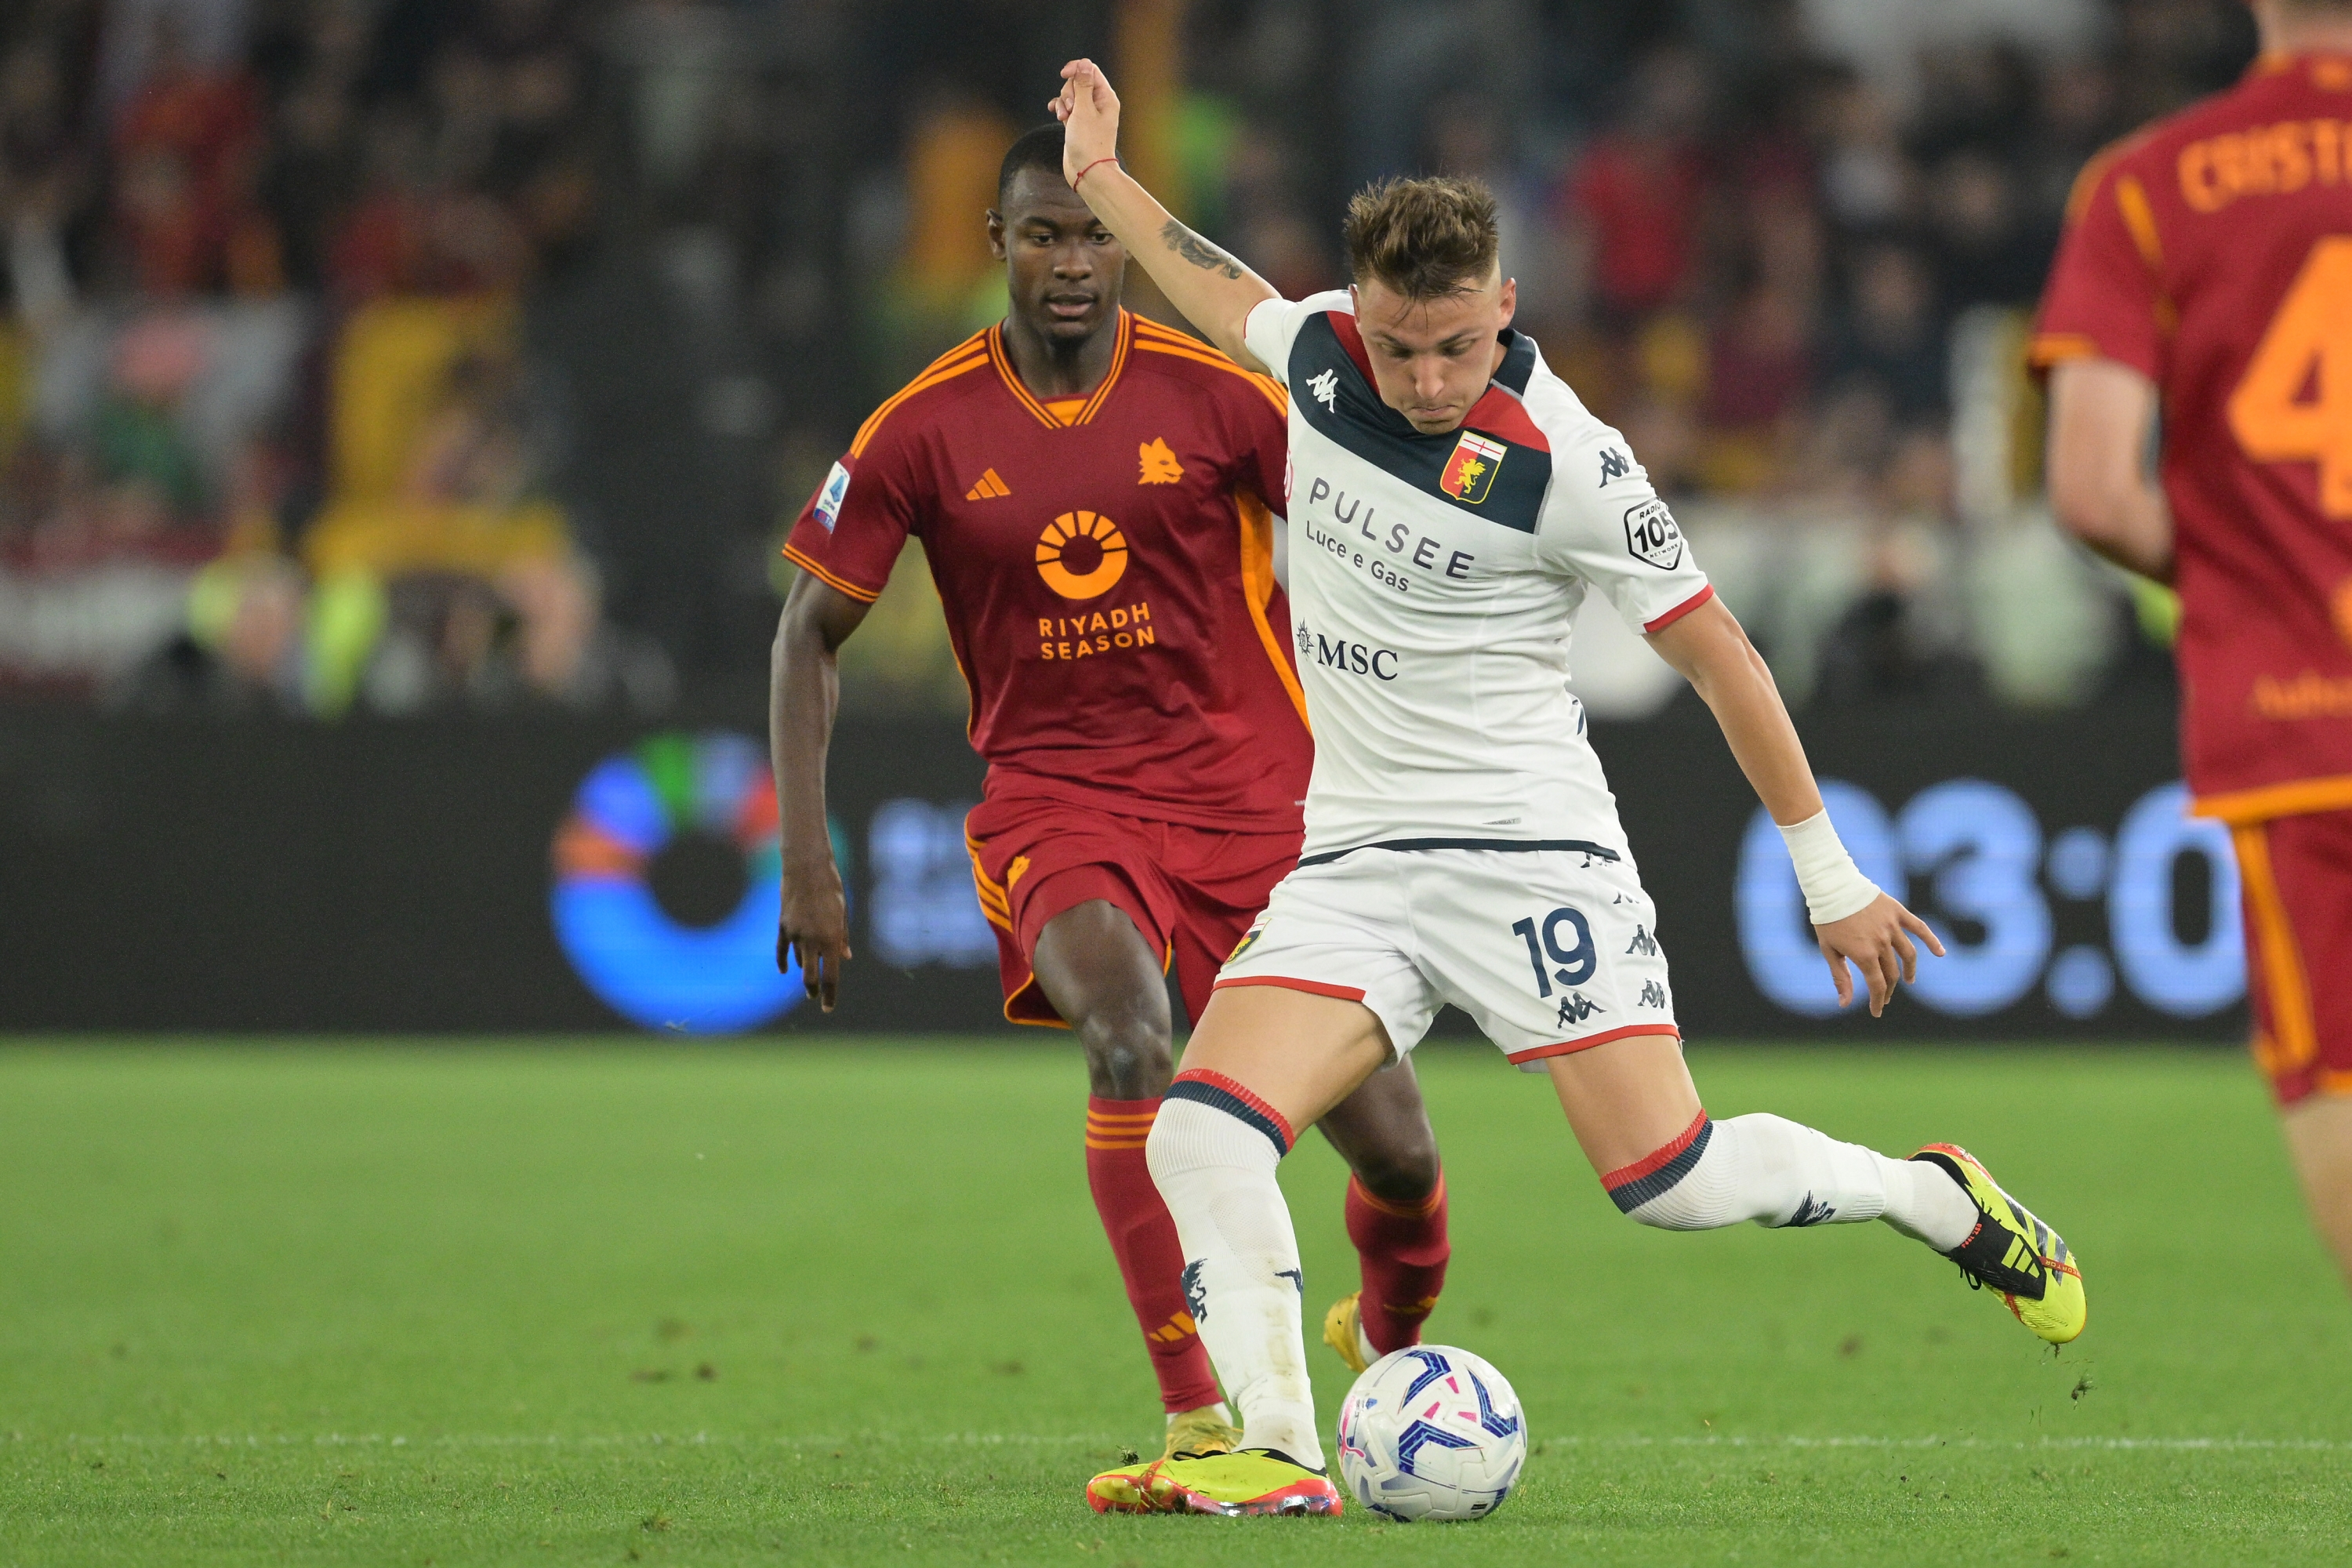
{"x":1090,"y":168}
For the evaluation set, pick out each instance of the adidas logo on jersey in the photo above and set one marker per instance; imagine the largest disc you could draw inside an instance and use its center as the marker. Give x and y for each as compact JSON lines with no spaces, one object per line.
{"x":989,"y":489}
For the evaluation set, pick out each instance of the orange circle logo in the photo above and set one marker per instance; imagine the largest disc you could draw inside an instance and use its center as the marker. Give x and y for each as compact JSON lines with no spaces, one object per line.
{"x":1081,"y":554}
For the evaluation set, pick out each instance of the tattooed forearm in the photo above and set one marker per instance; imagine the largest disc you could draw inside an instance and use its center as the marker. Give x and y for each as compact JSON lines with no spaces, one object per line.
{"x":1198,"y":252}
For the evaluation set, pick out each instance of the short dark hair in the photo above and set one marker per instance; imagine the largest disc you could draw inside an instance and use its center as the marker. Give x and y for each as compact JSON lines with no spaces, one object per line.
{"x":1038,"y":149}
{"x":1425,"y":239}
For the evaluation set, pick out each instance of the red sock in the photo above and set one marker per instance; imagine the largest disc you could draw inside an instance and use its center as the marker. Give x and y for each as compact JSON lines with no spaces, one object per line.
{"x":1144,"y":1239}
{"x":1403,"y":1251}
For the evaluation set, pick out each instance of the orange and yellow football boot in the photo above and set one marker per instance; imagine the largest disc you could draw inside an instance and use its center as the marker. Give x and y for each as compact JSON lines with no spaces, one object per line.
{"x":1254,"y":1481}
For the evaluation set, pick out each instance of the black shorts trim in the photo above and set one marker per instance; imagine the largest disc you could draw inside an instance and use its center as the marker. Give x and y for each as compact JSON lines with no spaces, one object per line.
{"x":1513,"y":846}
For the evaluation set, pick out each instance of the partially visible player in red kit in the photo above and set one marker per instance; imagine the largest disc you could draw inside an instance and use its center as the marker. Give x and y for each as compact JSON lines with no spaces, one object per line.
{"x":1092,"y":494}
{"x":2207,"y":274}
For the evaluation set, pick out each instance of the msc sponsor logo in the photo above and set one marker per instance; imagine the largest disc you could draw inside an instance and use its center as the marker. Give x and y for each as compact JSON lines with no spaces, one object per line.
{"x":1652,"y":535}
{"x":1081,"y":555}
{"x":1347,"y":658}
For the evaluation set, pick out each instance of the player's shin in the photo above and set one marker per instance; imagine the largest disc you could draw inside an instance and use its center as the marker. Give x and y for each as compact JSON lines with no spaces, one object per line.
{"x":1776,"y":1173}
{"x":1403,"y":1251}
{"x":1144,"y":1239}
{"x":1213,"y":1152}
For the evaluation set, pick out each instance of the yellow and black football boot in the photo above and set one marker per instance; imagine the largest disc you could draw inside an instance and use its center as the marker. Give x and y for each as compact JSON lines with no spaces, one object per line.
{"x":2012,"y":1253}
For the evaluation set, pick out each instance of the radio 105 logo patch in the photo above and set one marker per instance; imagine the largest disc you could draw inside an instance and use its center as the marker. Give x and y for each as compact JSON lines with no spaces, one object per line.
{"x":1652,"y":535}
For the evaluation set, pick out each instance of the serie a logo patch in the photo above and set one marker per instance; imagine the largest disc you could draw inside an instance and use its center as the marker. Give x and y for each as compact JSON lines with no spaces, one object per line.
{"x":1470,"y":471}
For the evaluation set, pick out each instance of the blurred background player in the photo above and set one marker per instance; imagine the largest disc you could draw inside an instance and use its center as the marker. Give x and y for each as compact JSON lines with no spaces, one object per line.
{"x":1092,"y":491}
{"x":2207,"y":276}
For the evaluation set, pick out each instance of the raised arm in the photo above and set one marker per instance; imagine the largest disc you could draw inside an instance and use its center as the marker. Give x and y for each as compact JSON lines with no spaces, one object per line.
{"x":803,"y":692}
{"x":1215,"y":292}
{"x":2101,"y":413}
{"x":1712,"y":651}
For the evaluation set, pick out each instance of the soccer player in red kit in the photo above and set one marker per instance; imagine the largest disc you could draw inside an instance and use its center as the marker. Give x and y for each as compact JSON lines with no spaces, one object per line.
{"x":2207,"y":274}
{"x":1092,"y":494}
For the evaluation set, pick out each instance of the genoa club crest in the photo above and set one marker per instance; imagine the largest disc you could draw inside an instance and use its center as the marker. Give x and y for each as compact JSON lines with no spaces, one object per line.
{"x":1470,"y":471}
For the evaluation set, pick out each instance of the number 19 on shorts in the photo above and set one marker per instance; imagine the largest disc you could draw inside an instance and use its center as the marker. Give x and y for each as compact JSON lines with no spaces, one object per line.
{"x":1572,"y":961}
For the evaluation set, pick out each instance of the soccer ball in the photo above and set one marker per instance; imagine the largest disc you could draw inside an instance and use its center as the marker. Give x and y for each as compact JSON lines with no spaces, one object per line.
{"x":1431,"y":1432}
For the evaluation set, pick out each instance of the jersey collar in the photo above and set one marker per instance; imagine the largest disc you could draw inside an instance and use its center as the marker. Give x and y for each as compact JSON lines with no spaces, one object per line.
{"x":2330,"y":68}
{"x":1124,"y":339}
{"x":1498,"y":411}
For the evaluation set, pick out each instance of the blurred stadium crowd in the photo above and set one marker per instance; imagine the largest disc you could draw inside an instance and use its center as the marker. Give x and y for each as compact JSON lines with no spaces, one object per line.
{"x":397,"y":356}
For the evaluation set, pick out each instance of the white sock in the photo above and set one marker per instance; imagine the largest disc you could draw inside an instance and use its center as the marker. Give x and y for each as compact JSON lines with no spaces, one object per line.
{"x":1925,"y":1204}
{"x":1776,"y":1173}
{"x":1217,"y":1410}
{"x":1213,"y":1152}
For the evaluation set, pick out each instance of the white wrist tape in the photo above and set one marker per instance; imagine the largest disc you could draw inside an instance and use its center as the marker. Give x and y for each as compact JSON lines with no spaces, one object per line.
{"x":1834,"y":885}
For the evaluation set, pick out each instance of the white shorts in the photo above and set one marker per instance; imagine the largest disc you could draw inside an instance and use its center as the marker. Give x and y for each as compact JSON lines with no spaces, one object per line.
{"x":1549,"y":950}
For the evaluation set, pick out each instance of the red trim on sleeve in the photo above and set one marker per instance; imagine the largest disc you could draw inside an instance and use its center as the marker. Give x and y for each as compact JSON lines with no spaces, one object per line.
{"x":799,"y":558}
{"x":1316,"y":987}
{"x":1569,"y":1048}
{"x":1679,"y":611}
{"x":1656,"y":1157}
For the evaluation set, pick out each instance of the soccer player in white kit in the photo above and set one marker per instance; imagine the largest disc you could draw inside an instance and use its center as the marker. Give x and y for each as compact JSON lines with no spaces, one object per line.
{"x":1450,"y":504}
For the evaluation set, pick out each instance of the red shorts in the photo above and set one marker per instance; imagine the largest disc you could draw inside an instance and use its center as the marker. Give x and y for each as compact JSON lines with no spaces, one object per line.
{"x":2297,"y":876}
{"x":1192,"y":891}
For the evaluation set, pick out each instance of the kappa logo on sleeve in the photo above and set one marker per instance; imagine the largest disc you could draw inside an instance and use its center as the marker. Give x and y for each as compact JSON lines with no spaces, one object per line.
{"x":1326,"y":388}
{"x":830,"y":496}
{"x":1652,"y":535}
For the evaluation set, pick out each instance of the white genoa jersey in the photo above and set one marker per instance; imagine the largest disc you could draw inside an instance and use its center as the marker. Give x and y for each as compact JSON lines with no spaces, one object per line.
{"x":1432,"y":582}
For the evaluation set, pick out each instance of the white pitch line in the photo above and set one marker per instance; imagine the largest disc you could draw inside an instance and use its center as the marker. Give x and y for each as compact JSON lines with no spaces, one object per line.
{"x":1034,"y":1440}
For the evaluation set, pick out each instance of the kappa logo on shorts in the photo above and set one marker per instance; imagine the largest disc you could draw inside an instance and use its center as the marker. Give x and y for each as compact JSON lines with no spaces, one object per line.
{"x":1653,"y":535}
{"x":1652,"y":995}
{"x":1576,"y":1006}
{"x":1643,"y":943}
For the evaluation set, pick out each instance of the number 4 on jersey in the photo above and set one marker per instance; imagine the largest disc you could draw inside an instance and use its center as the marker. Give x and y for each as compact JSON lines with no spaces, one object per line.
{"x":2294,"y":401}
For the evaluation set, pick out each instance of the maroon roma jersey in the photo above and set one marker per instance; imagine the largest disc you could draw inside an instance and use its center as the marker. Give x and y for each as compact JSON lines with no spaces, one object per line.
{"x":1106,"y":568}
{"x":2212,"y":253}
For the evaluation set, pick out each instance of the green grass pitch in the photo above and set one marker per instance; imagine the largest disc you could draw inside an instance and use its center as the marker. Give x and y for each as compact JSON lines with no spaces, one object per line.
{"x":572,"y":1303}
